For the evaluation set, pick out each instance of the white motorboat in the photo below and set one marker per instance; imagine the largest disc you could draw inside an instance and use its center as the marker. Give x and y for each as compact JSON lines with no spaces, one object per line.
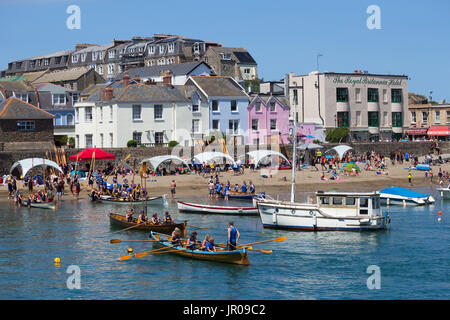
{"x":332,"y":211}
{"x":445,"y":192}
{"x":405,"y":197}
{"x":202,"y":208}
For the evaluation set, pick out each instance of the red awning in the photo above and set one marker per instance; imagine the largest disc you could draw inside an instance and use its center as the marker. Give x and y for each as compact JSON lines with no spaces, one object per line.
{"x":442,"y":130}
{"x":88,"y":154}
{"x":418,"y":131}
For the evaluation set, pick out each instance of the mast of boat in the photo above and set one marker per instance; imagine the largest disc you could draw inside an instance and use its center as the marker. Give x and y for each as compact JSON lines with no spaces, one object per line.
{"x":294,"y":146}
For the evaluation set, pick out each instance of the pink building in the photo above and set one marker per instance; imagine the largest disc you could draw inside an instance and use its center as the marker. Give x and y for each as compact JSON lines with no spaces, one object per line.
{"x":268,"y":116}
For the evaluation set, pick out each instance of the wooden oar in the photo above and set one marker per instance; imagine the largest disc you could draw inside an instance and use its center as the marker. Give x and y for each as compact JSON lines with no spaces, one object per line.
{"x":120,"y":241}
{"x":161,"y":250}
{"x":128,"y":228}
{"x":249,"y":244}
{"x":263,"y":251}
{"x":148,"y":252}
{"x":197,"y":227}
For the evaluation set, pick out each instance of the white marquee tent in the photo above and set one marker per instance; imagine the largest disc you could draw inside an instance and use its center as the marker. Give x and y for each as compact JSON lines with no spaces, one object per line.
{"x":158,"y":160}
{"x":340,"y":150}
{"x":29,"y":163}
{"x":258,"y":155}
{"x":210,"y":156}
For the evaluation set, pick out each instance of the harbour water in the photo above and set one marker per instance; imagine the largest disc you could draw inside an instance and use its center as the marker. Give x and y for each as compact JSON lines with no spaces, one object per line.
{"x":413,"y":257}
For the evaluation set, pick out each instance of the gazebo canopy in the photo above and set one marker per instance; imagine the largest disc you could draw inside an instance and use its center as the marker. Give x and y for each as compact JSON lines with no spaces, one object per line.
{"x":309,"y":146}
{"x":258,"y":155}
{"x":89,"y":153}
{"x":158,"y":160}
{"x":340,"y":150}
{"x":209,"y":156}
{"x":29,"y":163}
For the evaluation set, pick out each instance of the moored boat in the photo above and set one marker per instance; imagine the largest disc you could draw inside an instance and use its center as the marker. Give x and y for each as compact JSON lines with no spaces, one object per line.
{"x":121,"y":220}
{"x":44,"y":205}
{"x":243,"y":195}
{"x":238,"y":256}
{"x":110,"y":199}
{"x":445,"y":192}
{"x":403,"y":196}
{"x":202,"y":208}
{"x":333,"y":211}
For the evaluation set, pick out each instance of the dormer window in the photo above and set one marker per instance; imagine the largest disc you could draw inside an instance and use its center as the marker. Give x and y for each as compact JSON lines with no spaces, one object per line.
{"x":94,"y":56}
{"x":151,"y":49}
{"x":46,"y":61}
{"x":196,"y":47}
{"x":171,"y":47}
{"x":39,"y":62}
{"x":83,"y":57}
{"x":161,"y":49}
{"x":226,"y":56}
{"x":111,"y":54}
{"x":75,"y":58}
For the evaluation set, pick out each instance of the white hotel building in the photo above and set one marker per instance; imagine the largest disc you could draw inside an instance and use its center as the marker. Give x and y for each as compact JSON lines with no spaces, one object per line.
{"x":372,"y":106}
{"x":150,"y":114}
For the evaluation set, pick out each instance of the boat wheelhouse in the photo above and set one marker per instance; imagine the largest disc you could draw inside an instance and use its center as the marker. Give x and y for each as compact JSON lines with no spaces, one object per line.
{"x":332,"y":211}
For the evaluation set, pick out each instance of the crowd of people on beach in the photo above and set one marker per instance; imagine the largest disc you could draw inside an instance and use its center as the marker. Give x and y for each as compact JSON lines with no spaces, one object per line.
{"x":217,"y":189}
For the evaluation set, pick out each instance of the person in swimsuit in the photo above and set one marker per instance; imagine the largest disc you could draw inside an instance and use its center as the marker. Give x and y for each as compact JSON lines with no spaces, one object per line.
{"x":172,"y":189}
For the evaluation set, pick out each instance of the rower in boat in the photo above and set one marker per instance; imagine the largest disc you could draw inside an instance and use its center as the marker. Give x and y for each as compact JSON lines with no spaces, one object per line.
{"x":176,"y":237}
{"x":252,"y":187}
{"x":155,"y":219}
{"x":192,"y":241}
{"x":205,"y":241}
{"x":244,"y":187}
{"x":167,"y":218}
{"x":210,"y":247}
{"x":142,"y":218}
{"x":129,"y":215}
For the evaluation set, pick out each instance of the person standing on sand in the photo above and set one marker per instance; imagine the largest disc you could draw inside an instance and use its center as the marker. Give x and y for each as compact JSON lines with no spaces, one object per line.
{"x":173,"y":185}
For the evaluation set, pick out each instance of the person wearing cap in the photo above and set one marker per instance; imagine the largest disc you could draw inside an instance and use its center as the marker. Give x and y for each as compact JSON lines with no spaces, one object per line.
{"x":233,"y":237}
{"x":192,"y":241}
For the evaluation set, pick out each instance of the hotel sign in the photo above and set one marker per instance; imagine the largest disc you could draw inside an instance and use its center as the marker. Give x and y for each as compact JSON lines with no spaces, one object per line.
{"x":366,"y":80}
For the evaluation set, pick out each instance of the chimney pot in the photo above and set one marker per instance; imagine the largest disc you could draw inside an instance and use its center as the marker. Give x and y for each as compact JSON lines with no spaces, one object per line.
{"x":126,"y":80}
{"x":108,"y":94}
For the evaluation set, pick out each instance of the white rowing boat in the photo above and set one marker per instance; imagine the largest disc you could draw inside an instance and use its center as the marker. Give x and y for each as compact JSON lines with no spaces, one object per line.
{"x":202,"y":208}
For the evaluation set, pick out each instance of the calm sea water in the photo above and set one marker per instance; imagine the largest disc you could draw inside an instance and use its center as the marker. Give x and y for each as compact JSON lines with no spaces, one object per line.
{"x":413,"y":257}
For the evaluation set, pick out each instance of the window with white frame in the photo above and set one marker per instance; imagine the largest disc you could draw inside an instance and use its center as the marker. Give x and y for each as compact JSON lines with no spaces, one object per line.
{"x":83,"y":57}
{"x":195,"y":125}
{"x":88,"y":114}
{"x":424,"y":117}
{"x":159,"y":137}
{"x":215,"y":106}
{"x":111,"y":114}
{"x":110,"y":68}
{"x":77,"y":115}
{"x":272,"y":106}
{"x":233,"y":126}
{"x":161,"y":61}
{"x":151,"y":49}
{"x":196,"y":47}
{"x":100,"y":111}
{"x":21,"y":96}
{"x":161,"y":49}
{"x":158,"y":112}
{"x":88,"y":139}
{"x":255,"y":124}
{"x":257,"y":106}
{"x":75,"y":58}
{"x":437,"y":117}
{"x":226,"y":56}
{"x":75,"y":97}
{"x":77,"y":141}
{"x":358,"y":94}
{"x":195,"y":108}
{"x":171,"y":47}
{"x":70,"y":120}
{"x":137,"y":109}
{"x":59,"y":99}
{"x":111,"y":140}
{"x":273,"y":124}
{"x":137,"y":136}
{"x":111,"y":54}
{"x":94,"y":56}
{"x":234,"y":106}
{"x":247,"y":71}
{"x":46,"y":61}
{"x":38,"y":62}
{"x":101,"y":54}
{"x":101,"y":140}
{"x":215,"y":124}
{"x":413,"y":116}
{"x":100,"y":69}
{"x":25,"y":125}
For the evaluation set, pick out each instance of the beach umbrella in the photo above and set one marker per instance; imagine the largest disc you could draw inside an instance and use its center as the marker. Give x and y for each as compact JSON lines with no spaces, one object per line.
{"x":87,"y":154}
{"x":348,"y":167}
{"x":309,"y":146}
{"x":309,"y":137}
{"x":340,"y":150}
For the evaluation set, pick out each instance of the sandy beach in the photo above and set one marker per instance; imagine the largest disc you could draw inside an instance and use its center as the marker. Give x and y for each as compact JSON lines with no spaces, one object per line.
{"x":307,"y":180}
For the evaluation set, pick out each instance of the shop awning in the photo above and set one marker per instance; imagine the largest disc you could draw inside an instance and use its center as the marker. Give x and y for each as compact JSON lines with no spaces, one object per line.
{"x":418,"y":131}
{"x":441,"y":130}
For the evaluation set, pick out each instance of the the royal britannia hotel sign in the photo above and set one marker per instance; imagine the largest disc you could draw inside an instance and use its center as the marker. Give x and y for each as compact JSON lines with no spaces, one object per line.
{"x":365,"y":80}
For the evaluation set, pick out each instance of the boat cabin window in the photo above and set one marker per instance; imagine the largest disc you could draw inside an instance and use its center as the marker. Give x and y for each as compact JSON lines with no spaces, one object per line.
{"x":375,"y":203}
{"x":337,"y":200}
{"x":324,"y":200}
{"x":363,"y":205}
{"x":350,"y":201}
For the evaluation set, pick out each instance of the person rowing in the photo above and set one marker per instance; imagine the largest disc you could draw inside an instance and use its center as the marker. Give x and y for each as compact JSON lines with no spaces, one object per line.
{"x":141,"y":218}
{"x":210,"y":247}
{"x":176,"y":237}
{"x":167,"y":218}
{"x":155,"y":219}
{"x":205,"y":241}
{"x":129,"y":214}
{"x":192,"y":241}
{"x":244,"y":187}
{"x":252,"y":187}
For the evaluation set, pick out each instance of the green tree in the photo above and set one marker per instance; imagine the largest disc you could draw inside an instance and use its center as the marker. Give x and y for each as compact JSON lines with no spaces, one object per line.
{"x":132,"y":144}
{"x":337,"y":134}
{"x":172,"y":143}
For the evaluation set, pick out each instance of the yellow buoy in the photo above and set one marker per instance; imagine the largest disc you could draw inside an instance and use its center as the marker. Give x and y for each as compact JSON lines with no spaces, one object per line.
{"x":57,"y":260}
{"x":130,"y":250}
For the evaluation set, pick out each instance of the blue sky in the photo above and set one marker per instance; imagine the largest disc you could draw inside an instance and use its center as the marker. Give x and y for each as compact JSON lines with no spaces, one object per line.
{"x":283,"y":36}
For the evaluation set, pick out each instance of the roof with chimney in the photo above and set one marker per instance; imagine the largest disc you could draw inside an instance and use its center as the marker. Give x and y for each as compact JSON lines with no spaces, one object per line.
{"x":14,"y":108}
{"x":141,"y":93}
{"x":156,"y":71}
{"x":215,"y":86}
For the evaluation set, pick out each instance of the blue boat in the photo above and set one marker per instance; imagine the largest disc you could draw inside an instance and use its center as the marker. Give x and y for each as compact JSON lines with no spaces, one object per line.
{"x":403,"y":196}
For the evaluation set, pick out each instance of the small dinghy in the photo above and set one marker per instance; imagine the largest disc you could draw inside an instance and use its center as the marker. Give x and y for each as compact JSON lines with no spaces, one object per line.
{"x":403,"y":196}
{"x":202,"y":208}
{"x":445,"y":192}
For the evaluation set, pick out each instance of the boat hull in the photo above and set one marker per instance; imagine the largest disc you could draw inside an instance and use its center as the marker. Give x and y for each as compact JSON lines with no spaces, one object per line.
{"x":444,"y":192}
{"x":206,"y":209}
{"x":43,"y":205}
{"x":243,"y":196}
{"x":121,"y":221}
{"x":390,"y":200}
{"x":310,"y":218}
{"x":152,"y":200}
{"x":233,"y":257}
